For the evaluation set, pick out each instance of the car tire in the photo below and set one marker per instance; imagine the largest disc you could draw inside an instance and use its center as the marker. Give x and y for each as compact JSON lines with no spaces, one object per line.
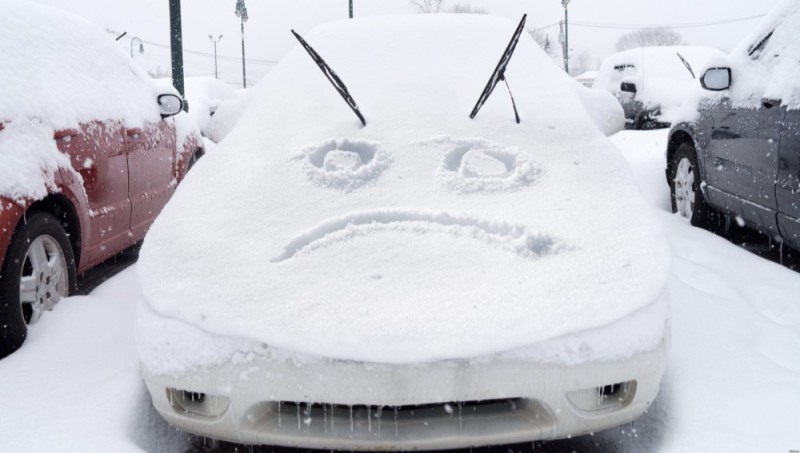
{"x":39,"y":262}
{"x":685,"y":189}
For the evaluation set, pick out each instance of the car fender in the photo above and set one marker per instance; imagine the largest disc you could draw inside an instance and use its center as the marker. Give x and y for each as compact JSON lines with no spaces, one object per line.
{"x":10,"y":214}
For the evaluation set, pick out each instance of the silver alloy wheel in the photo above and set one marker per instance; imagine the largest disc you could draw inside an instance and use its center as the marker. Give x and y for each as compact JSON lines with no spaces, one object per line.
{"x":44,"y":277}
{"x":684,"y":188}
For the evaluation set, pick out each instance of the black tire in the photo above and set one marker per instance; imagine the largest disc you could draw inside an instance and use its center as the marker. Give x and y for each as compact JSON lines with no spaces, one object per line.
{"x":14,"y":315}
{"x":699,"y":212}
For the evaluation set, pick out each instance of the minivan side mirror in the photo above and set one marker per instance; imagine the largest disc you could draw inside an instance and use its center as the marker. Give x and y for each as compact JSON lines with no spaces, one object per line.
{"x":716,"y":79}
{"x":170,"y":105}
{"x":628,"y":87}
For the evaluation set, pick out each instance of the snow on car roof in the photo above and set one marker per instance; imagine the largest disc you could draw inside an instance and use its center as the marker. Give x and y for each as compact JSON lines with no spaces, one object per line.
{"x":766,"y":64}
{"x":63,"y":70}
{"x":58,"y":71}
{"x":424,"y":235}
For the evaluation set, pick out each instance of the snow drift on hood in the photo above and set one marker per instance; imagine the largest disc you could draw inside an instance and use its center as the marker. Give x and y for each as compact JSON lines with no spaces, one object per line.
{"x":424,"y":235}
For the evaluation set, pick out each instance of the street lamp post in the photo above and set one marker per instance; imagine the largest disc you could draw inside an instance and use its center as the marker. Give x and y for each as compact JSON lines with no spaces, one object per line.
{"x":351,"y":9}
{"x":241,"y":13}
{"x":141,"y":46}
{"x":215,"y":41}
{"x":564,"y":3}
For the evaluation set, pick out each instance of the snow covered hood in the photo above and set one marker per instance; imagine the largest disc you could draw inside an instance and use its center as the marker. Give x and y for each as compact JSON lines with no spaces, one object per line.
{"x":425,"y":235}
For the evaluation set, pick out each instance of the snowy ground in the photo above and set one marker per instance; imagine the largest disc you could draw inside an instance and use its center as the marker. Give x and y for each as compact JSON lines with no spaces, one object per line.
{"x":732,"y":383}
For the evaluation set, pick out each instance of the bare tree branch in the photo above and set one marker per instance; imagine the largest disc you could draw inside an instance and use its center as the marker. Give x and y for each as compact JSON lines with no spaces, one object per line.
{"x":650,"y":37}
{"x":466,"y":8}
{"x":427,"y":6}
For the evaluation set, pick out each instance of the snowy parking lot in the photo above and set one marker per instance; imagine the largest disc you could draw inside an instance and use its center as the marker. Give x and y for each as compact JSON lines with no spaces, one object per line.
{"x":732,"y":382}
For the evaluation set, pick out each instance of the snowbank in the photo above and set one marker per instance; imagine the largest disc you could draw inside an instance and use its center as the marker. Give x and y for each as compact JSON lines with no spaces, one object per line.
{"x":424,"y":235}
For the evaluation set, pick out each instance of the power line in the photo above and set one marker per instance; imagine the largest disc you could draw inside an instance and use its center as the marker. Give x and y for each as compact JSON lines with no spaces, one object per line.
{"x":650,"y":26}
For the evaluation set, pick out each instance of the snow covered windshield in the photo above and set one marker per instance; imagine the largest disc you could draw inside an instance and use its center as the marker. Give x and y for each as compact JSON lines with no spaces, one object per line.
{"x":386,"y":242}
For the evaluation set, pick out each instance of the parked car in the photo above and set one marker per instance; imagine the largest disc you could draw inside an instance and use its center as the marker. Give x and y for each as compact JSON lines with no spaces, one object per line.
{"x":205,"y":95}
{"x":739,"y":154}
{"x":377,"y":266}
{"x":651,"y":82}
{"x":90,"y":151}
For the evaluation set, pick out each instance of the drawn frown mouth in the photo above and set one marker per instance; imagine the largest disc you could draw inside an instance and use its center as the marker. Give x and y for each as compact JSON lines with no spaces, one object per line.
{"x":517,"y":239}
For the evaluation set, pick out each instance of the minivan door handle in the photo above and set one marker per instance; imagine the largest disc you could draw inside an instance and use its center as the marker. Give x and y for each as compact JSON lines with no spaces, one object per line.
{"x":769,"y":103}
{"x":134,"y":132}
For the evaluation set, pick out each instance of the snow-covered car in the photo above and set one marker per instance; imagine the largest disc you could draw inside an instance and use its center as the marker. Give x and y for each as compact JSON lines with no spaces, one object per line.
{"x":652,"y":82}
{"x":738,"y":150}
{"x":90,"y":151}
{"x":399,"y":271}
{"x":205,"y":95}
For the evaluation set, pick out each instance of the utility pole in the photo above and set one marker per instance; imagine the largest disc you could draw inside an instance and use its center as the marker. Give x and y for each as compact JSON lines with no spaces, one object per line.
{"x":351,"y":9}
{"x":241,"y":13}
{"x":215,"y":41}
{"x":176,"y":44}
{"x":566,"y":36}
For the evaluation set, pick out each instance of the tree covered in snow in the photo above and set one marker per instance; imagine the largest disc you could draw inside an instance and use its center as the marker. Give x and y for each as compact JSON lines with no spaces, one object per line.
{"x":650,"y":37}
{"x":543,"y":39}
{"x":466,"y":8}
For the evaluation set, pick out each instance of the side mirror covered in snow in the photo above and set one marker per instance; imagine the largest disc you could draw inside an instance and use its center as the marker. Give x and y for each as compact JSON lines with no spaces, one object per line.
{"x":628,"y":87}
{"x":170,"y":105}
{"x":716,"y":79}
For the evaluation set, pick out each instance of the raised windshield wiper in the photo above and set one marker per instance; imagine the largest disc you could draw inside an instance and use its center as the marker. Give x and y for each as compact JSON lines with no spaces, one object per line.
{"x":686,"y":63}
{"x":500,"y":73}
{"x":332,"y":77}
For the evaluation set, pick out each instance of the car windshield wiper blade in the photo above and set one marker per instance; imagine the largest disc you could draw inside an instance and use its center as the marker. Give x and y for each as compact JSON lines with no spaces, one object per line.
{"x":500,"y":72}
{"x":686,"y":63}
{"x":332,"y":77}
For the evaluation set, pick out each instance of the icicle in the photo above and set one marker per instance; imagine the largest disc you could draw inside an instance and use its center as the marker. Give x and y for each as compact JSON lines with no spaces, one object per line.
{"x":280,"y":424}
{"x":395,"y":422}
{"x":325,"y":417}
{"x":460,"y":419}
{"x":297,"y":405}
{"x":369,"y":418}
{"x":351,"y":419}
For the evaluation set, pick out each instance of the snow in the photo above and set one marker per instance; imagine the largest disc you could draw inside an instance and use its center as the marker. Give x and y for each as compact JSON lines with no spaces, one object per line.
{"x":771,"y":72}
{"x":398,"y":220}
{"x":661,"y":79}
{"x":205,"y":95}
{"x":60,"y":71}
{"x":60,"y":89}
{"x":731,"y":381}
{"x":29,"y":160}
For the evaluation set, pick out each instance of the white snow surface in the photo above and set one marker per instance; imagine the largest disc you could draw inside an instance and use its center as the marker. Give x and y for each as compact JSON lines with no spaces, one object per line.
{"x":424,"y":235}
{"x":75,"y":386}
{"x":661,"y":79}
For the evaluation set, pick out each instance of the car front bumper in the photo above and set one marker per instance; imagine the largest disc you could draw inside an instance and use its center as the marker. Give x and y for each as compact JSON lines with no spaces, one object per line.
{"x":286,"y":400}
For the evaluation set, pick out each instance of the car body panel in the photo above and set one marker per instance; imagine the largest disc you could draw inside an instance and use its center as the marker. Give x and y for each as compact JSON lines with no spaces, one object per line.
{"x":788,"y":185}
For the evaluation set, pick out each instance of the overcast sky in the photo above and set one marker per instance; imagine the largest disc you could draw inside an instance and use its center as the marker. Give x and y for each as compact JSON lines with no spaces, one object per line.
{"x":268,"y":37}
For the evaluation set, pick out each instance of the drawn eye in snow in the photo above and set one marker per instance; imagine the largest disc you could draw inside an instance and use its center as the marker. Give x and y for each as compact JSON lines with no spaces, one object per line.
{"x":477,"y":165}
{"x":345,"y":164}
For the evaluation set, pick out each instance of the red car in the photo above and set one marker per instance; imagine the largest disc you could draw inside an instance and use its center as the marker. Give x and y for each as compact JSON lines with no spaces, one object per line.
{"x":91,"y":149}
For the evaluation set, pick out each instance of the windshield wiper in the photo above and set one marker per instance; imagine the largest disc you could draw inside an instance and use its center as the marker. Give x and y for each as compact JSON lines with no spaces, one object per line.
{"x":332,"y":77}
{"x":500,"y":73}
{"x":686,"y":63}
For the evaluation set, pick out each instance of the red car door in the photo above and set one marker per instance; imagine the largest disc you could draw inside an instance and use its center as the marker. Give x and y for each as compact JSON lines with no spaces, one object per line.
{"x":151,"y":159}
{"x":97,"y":152}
